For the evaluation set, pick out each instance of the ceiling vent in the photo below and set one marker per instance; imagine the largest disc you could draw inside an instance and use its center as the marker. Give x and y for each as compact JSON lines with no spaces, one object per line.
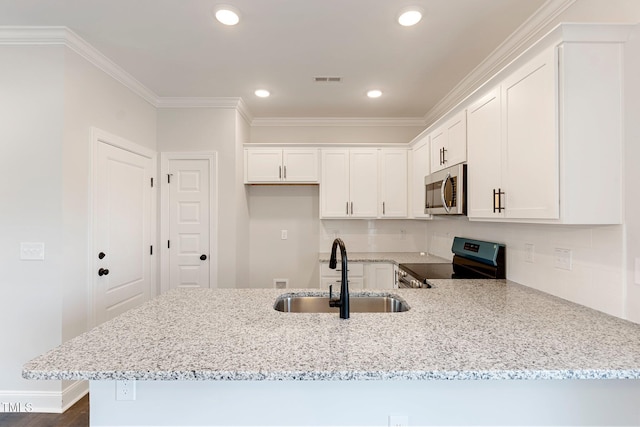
{"x":327,"y":79}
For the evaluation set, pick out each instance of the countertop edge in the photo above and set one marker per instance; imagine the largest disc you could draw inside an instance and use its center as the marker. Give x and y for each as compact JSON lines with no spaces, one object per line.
{"x":194,"y":375}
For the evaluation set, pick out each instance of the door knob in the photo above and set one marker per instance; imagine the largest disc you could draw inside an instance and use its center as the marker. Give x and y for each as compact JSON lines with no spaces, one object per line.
{"x":203,"y":257}
{"x":103,"y":272}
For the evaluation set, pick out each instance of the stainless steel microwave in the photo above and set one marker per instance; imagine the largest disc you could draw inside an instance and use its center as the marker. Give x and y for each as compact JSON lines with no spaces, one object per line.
{"x":445,"y":191}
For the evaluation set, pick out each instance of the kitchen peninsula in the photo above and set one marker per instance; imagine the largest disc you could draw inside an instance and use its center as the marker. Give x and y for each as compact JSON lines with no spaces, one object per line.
{"x":504,"y":353}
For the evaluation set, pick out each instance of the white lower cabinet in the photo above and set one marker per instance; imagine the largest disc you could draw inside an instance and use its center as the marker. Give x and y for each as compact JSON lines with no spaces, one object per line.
{"x":379,"y":275}
{"x":329,"y":276}
{"x":373,"y":275}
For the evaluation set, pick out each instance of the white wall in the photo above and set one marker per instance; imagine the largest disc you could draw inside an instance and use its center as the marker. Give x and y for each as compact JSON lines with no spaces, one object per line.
{"x":31,"y":133}
{"x":632,"y":174}
{"x":211,"y":129}
{"x":284,"y":207}
{"x":51,"y":99}
{"x":388,"y":235}
{"x":333,"y":134}
{"x":597,"y":257}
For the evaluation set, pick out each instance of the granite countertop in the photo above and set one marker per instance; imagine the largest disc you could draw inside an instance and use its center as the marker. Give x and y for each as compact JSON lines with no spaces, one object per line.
{"x":463,"y":329}
{"x":393,"y":257}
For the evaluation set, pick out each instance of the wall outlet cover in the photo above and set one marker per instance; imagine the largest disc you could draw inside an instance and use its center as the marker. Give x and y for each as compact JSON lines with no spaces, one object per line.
{"x":126,"y":390}
{"x":32,"y":251}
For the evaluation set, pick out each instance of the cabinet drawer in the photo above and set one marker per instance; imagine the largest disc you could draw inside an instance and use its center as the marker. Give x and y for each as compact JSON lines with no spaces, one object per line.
{"x":354,"y":283}
{"x":355,"y":270}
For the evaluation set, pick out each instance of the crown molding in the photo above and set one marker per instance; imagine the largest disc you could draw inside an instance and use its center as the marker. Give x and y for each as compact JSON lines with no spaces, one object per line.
{"x":337,"y":121}
{"x":64,"y":36}
{"x":235,"y":103}
{"x":514,"y":44}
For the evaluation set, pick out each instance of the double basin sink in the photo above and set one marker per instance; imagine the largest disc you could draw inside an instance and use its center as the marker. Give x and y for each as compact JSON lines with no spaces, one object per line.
{"x":291,"y":303}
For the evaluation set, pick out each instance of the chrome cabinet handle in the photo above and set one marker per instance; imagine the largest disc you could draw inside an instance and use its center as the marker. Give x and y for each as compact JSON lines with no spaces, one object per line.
{"x":347,"y":208}
{"x":444,"y":160}
{"x":383,"y":209}
{"x":351,"y":208}
{"x":285,"y":172}
{"x":279,"y":172}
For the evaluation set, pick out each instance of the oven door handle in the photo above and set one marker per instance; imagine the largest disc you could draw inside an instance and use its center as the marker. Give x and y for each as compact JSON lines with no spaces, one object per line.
{"x":444,"y":202}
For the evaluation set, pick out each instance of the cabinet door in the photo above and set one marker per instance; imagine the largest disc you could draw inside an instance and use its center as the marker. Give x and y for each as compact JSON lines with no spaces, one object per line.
{"x":379,"y":275}
{"x":456,"y":145}
{"x":334,"y":187}
{"x":484,"y":150}
{"x":438,"y":145}
{"x":531,"y":143}
{"x":393,"y":183}
{"x":363,"y":178}
{"x":264,"y":164}
{"x":300,"y":165}
{"x":419,"y":169}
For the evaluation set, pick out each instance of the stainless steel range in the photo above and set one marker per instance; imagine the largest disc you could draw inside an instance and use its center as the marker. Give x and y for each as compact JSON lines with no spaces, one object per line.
{"x":472,"y":259}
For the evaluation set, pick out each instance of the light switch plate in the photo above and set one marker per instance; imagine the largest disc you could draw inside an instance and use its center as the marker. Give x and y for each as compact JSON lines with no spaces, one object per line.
{"x":529,"y":251}
{"x":32,"y":251}
{"x":562,"y":258}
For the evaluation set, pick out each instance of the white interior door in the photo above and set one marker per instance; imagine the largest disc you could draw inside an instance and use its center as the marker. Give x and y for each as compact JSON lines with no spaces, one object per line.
{"x":189,"y":223}
{"x":122,"y":230}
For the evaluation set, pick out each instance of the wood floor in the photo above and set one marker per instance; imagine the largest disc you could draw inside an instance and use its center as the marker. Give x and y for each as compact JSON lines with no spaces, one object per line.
{"x":76,"y":416}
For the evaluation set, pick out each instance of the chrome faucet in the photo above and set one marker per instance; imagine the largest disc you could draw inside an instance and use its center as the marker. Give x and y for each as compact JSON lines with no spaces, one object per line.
{"x":343,"y":301}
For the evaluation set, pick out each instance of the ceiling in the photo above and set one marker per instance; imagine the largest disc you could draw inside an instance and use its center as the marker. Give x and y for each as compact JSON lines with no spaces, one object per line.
{"x":176,"y":49}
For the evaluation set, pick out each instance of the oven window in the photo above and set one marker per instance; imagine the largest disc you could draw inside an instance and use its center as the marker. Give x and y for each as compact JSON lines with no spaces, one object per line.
{"x":450,"y":192}
{"x":433,"y":195}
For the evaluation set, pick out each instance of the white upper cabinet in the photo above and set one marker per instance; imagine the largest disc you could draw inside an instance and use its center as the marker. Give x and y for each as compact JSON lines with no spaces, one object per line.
{"x":419,"y":169}
{"x":394,"y":178}
{"x":545,"y":145}
{"x":363,"y":179}
{"x":484,"y":152}
{"x":349,"y":183}
{"x":276,"y":165}
{"x":449,"y":142}
{"x":512,"y":146}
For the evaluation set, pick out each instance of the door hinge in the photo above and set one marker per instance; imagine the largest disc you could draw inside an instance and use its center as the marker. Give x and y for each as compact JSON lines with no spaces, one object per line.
{"x":151,"y":250}
{"x":151,"y":182}
{"x":169,"y":178}
{"x":168,"y":244}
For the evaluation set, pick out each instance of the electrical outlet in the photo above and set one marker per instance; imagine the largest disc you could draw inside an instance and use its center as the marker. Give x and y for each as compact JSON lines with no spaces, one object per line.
{"x":398,"y":421}
{"x":562,"y":258}
{"x":529,"y":251}
{"x":284,"y":234}
{"x":281,"y":283}
{"x":32,"y":251}
{"x":126,"y":390}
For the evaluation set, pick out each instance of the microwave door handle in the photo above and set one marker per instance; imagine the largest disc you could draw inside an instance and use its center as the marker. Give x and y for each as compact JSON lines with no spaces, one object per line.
{"x":444,"y":202}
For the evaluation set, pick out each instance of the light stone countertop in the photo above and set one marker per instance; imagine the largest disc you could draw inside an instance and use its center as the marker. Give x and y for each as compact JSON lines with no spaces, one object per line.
{"x":392,"y":257}
{"x":463,"y":329}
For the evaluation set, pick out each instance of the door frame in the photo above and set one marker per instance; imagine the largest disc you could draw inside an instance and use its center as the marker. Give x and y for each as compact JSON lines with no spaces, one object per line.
{"x":165,"y":158}
{"x":102,"y":136}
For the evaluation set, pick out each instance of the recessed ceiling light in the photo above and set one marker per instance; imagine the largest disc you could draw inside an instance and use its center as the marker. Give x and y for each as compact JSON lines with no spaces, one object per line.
{"x":409,"y":17}
{"x":262,"y":93}
{"x":227,"y":15}
{"x":375,"y":93}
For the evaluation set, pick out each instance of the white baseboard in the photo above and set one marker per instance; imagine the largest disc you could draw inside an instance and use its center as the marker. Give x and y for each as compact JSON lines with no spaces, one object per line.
{"x":42,"y":401}
{"x":74,"y":392}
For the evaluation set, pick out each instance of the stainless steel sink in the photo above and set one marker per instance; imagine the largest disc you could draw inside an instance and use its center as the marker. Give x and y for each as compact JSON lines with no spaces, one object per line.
{"x":357,"y":304}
